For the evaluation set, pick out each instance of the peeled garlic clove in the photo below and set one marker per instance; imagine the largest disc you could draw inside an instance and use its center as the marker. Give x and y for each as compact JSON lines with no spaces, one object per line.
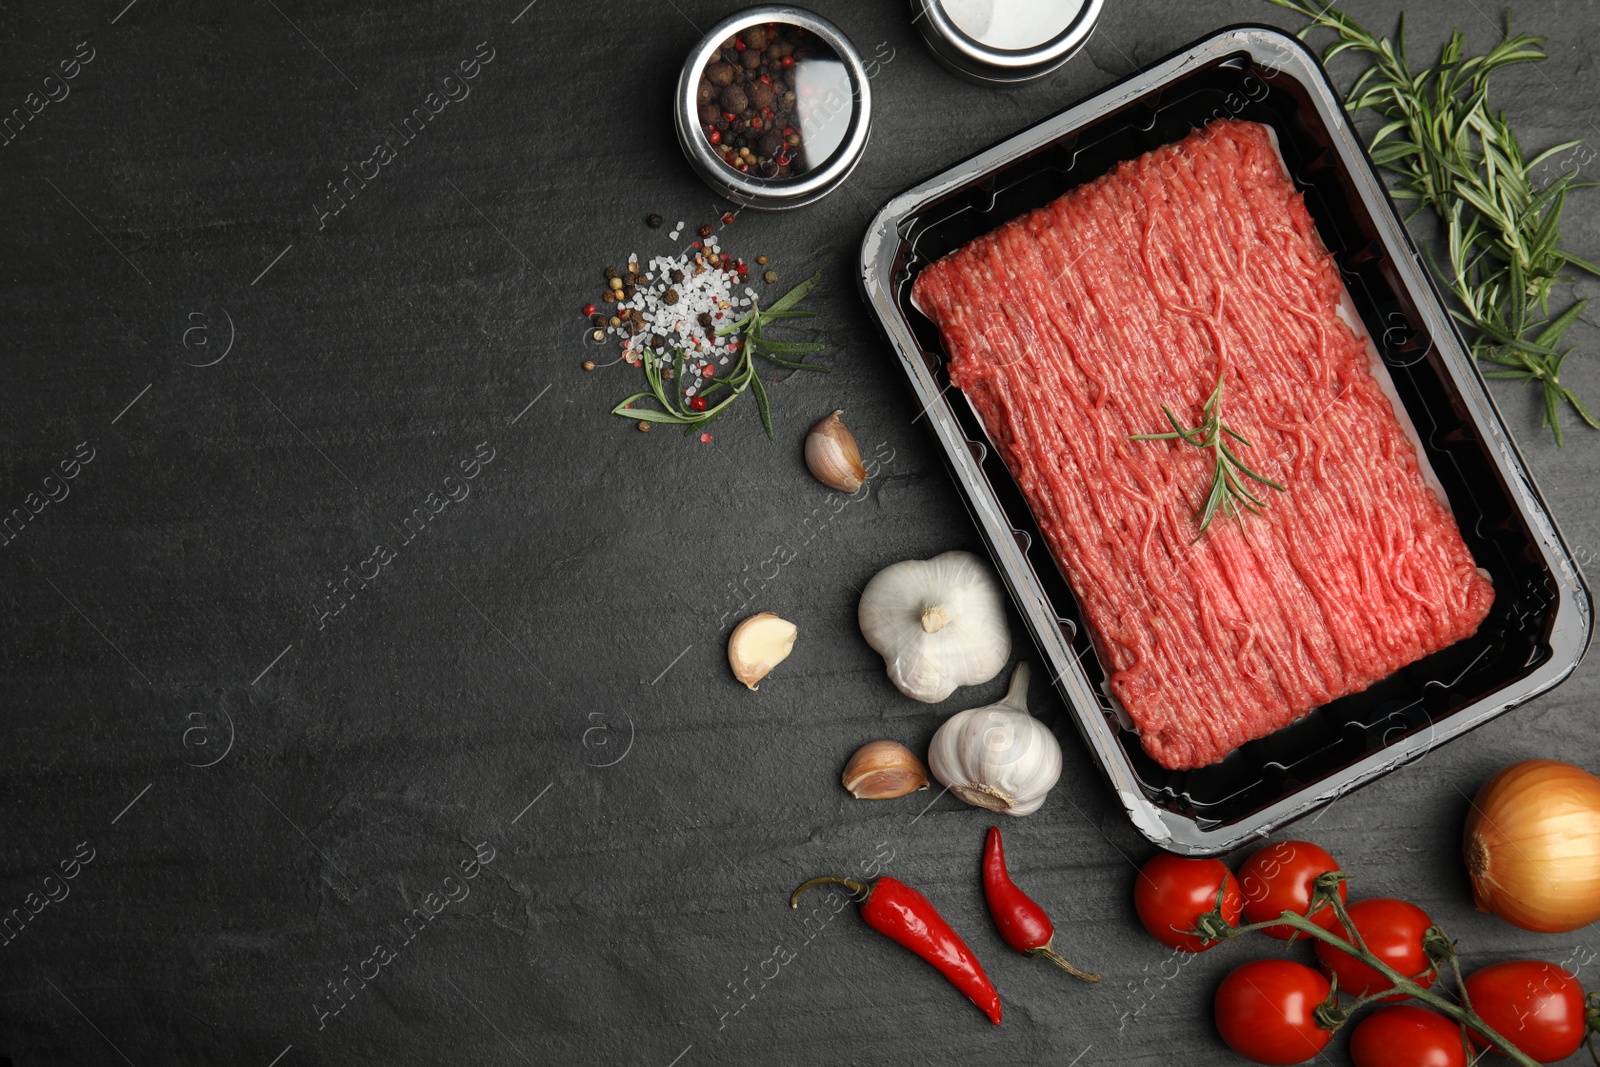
{"x":883,"y":770}
{"x":832,"y":455}
{"x":759,"y":644}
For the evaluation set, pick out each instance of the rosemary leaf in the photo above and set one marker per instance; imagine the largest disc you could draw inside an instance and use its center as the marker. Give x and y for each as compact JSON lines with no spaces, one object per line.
{"x":762,"y":404}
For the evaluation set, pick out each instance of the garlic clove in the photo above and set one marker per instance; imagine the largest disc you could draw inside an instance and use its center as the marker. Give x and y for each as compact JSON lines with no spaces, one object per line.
{"x":832,"y":455}
{"x":759,"y":644}
{"x":883,"y":770}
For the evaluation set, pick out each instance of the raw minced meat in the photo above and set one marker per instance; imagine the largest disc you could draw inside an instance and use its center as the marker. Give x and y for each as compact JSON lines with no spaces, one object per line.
{"x":1069,"y":328}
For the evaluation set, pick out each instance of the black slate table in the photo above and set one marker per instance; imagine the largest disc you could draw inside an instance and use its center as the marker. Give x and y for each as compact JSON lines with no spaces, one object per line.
{"x":259,"y":769}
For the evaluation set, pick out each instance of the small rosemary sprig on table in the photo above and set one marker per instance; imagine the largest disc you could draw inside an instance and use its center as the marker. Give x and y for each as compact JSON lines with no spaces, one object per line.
{"x":674,"y":408}
{"x":1228,"y":491}
{"x":1461,"y":159}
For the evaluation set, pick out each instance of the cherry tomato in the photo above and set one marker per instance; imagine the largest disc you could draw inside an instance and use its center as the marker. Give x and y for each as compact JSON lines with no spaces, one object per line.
{"x":1536,"y":1006}
{"x":1172,"y":893}
{"x":1266,"y":1011}
{"x":1393,"y":930}
{"x":1407,"y":1036}
{"x":1279,"y":878}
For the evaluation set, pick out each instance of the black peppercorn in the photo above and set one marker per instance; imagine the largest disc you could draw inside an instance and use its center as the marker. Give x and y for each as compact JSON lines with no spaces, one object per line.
{"x":655,"y":222}
{"x":670,"y":297}
{"x":677,"y":275}
{"x":611,"y":272}
{"x":657,"y":341}
{"x":704,"y":319}
{"x":628,"y":291}
{"x":597,"y":319}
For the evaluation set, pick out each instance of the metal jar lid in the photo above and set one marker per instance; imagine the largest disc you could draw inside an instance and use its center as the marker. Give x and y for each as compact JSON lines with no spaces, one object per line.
{"x":1004,"y":42}
{"x":833,"y":116}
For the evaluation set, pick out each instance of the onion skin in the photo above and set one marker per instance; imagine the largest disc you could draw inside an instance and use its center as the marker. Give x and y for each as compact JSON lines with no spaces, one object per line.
{"x":1532,"y":846}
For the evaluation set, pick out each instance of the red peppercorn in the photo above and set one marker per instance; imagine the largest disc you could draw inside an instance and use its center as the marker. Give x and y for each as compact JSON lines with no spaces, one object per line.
{"x":705,"y":438}
{"x":766,"y":113}
{"x":783,"y":159}
{"x":786,"y":61}
{"x":728,"y":116}
{"x":743,"y":168}
{"x":697,"y":403}
{"x":743,"y":270}
{"x":788,"y":131}
{"x":588,"y":309}
{"x":726,"y":257}
{"x":715,"y":136}
{"x":765,"y":79}
{"x":738,"y":44}
{"x":694,"y":244}
{"x":709,"y":371}
{"x":755,"y":124}
{"x":728,"y":217}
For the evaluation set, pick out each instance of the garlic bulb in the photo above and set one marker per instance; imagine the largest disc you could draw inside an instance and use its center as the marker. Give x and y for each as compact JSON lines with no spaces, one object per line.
{"x":998,"y":756}
{"x":938,"y":623}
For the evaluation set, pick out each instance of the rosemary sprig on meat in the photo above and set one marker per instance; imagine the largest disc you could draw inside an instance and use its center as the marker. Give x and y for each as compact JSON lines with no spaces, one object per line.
{"x":1229,"y":492}
{"x":675,"y":409}
{"x":1460,"y":158}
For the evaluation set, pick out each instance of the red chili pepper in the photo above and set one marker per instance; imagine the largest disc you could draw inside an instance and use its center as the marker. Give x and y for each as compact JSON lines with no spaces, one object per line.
{"x":902,"y":914}
{"x":1023,"y":923}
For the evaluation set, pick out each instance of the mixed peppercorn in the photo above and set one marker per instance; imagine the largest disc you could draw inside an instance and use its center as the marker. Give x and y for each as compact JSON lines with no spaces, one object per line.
{"x":747,"y":99}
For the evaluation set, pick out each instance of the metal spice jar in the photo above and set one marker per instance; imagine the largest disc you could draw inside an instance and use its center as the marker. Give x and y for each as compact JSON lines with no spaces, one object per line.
{"x":773,"y":108}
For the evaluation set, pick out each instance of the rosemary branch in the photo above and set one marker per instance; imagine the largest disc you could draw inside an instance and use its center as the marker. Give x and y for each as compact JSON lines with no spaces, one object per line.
{"x":1228,"y":492}
{"x":1457,"y":156}
{"x":674,"y":407}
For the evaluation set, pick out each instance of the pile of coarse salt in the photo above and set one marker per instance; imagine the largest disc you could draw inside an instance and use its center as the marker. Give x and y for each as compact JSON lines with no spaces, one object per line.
{"x":679,"y":305}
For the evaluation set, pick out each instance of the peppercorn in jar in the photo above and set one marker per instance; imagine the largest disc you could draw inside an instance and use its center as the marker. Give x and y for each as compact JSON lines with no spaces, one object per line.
{"x":774,"y":107}
{"x":750,"y":98}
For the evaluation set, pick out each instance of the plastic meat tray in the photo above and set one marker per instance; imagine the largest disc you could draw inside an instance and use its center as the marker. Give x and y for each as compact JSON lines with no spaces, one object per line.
{"x":1540,"y":624}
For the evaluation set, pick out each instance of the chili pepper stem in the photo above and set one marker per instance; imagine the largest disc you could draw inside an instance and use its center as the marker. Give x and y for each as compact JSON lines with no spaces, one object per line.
{"x":1047,"y":952}
{"x":1401,"y":983}
{"x":860,"y":890}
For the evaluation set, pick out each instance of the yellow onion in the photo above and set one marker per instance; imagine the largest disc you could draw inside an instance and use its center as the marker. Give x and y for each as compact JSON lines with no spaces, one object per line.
{"x":1532,"y":846}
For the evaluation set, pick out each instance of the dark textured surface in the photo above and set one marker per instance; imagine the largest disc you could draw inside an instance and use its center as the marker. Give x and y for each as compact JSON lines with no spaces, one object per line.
{"x":555,"y":638}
